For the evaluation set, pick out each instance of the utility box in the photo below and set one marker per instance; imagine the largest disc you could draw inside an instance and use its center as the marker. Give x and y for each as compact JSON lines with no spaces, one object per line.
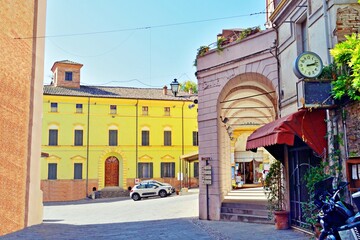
{"x":314,"y":94}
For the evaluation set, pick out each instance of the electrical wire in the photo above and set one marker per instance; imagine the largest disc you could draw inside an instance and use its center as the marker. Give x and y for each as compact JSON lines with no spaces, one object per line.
{"x":97,"y":55}
{"x":141,"y":28}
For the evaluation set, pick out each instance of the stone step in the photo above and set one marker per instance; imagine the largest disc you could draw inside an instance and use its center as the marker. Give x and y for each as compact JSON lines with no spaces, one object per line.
{"x":257,"y":212}
{"x":245,"y":218}
{"x":247,"y":194}
{"x":112,"y":192}
{"x":248,"y":205}
{"x":262,"y":205}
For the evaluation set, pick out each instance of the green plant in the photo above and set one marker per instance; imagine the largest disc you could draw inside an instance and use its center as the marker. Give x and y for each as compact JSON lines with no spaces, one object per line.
{"x":219,"y":44}
{"x":313,"y":175}
{"x":347,"y":58}
{"x":324,"y":170}
{"x":275,"y":189}
{"x":329,"y":72}
{"x":187,"y":85}
{"x":247,"y":32}
{"x":202,"y":50}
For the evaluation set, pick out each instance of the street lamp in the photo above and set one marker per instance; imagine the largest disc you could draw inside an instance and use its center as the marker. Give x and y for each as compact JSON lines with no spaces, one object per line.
{"x":174,"y":87}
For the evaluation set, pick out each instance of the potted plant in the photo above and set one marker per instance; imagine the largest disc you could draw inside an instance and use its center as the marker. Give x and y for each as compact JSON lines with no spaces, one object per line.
{"x":275,"y":191}
{"x":202,"y":50}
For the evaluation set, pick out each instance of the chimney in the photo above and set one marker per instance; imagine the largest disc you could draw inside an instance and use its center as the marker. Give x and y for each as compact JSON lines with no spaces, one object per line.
{"x":190,"y":91}
{"x":165,"y":90}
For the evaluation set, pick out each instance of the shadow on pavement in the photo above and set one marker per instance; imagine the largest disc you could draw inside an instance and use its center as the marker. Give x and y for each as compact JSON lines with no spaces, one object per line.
{"x":184,"y":228}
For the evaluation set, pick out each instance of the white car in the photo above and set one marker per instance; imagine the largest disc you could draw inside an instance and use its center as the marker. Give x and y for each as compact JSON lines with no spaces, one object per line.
{"x":149,"y":190}
{"x":158,"y":183}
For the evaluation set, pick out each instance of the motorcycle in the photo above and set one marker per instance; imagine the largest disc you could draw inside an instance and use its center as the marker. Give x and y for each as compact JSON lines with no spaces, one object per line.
{"x":337,"y":218}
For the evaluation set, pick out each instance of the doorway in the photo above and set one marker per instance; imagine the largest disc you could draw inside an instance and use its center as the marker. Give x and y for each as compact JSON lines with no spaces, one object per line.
{"x":301,"y":158}
{"x":111,"y":172}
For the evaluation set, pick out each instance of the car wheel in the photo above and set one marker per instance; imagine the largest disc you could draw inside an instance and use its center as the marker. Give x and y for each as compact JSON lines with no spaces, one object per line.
{"x":136,"y":197}
{"x":162,"y":193}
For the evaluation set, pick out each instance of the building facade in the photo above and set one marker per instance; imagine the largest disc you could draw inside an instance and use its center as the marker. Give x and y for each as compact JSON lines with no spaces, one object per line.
{"x":310,"y":26}
{"x":99,"y":137}
{"x":21,"y":76}
{"x":250,"y":83}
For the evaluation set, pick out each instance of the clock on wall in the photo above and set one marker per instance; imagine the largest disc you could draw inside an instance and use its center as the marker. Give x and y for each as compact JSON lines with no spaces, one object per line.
{"x":308,"y":65}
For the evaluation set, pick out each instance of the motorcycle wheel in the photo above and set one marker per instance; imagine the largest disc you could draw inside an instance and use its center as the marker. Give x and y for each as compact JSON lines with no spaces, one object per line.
{"x":325,"y":236}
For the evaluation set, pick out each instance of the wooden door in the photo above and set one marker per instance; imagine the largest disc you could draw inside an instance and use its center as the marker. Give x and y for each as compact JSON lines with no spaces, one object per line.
{"x":111,"y":172}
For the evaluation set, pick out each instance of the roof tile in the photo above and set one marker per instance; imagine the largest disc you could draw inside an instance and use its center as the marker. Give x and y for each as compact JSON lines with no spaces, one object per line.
{"x":117,"y":92}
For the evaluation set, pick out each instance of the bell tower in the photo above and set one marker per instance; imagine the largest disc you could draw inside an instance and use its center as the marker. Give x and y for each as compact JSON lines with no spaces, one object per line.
{"x":66,"y":74}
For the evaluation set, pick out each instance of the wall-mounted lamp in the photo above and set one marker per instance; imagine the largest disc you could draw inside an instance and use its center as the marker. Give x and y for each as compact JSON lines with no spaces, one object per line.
{"x":224,"y":120}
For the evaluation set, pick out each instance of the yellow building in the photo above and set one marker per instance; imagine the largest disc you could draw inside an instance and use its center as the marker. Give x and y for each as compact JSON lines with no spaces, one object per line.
{"x":99,"y":137}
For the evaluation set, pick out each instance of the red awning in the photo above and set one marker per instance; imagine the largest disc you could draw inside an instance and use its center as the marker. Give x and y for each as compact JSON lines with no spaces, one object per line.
{"x":310,"y":126}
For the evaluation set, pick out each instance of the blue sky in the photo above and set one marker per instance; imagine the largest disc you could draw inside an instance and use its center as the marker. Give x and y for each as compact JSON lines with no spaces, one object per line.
{"x":139,"y":43}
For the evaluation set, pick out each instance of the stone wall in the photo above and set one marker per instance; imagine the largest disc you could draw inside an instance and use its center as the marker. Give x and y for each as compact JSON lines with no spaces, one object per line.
{"x":353,"y":128}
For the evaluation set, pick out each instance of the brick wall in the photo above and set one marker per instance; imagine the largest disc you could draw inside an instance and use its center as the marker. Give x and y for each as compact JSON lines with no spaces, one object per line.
{"x":66,"y":190}
{"x":353,"y":128}
{"x":347,"y":21}
{"x":59,"y":75}
{"x":15,"y":74}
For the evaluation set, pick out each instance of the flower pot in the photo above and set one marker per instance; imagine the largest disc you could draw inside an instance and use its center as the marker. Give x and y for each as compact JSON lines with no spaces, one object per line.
{"x":281,"y":220}
{"x":317,"y":230}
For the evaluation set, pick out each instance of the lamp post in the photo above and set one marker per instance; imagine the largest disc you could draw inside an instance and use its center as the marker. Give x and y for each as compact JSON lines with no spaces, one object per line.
{"x":175,"y":87}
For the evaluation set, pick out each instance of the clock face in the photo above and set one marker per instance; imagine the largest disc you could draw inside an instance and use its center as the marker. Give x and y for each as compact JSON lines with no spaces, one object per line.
{"x":308,"y":65}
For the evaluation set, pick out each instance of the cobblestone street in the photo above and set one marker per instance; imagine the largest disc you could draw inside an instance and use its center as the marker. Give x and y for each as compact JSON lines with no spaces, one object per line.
{"x":173,"y":217}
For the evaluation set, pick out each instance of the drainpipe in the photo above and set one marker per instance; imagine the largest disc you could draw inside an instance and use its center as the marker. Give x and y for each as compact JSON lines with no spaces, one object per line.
{"x":276,"y":55}
{"x":137,"y":137}
{"x":345,"y":133}
{"x":180,"y":173}
{"x":327,"y":40}
{"x":327,"y":36}
{"x":87,"y":148}
{"x":182,"y":133}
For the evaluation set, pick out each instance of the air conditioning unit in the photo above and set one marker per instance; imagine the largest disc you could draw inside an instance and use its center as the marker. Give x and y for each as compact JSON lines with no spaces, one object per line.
{"x":314,"y":94}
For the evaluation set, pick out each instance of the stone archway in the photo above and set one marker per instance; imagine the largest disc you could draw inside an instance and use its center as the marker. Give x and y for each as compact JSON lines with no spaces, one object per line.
{"x":238,"y":89}
{"x":246,"y":102}
{"x":111,"y":172}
